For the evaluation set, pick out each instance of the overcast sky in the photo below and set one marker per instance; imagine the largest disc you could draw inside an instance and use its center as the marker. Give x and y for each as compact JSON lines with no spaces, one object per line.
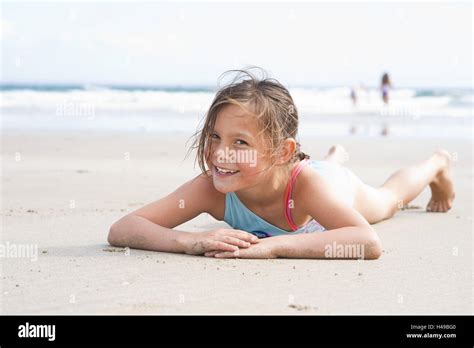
{"x":320,"y":44}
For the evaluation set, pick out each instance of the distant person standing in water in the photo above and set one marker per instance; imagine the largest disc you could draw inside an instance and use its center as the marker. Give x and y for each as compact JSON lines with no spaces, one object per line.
{"x":353,"y":96}
{"x":385,"y":86}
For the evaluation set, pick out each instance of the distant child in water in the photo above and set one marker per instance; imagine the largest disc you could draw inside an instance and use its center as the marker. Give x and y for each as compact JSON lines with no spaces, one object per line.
{"x":277,"y":201}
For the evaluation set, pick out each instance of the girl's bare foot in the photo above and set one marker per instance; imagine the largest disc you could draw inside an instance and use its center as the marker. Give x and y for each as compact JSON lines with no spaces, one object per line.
{"x":338,"y":154}
{"x":442,"y":189}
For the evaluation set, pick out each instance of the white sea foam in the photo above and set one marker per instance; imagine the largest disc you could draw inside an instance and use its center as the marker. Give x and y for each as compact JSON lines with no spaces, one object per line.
{"x":322,"y":110}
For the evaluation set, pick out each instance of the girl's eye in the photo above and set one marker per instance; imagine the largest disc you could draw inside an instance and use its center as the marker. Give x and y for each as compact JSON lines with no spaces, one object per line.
{"x":242,"y":142}
{"x":214,"y":136}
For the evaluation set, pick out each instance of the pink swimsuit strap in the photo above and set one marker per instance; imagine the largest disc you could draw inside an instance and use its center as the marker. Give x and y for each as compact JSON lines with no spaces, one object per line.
{"x":289,"y":190}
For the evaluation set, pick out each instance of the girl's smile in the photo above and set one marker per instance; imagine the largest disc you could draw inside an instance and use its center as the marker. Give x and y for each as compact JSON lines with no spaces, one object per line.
{"x":223,"y":172}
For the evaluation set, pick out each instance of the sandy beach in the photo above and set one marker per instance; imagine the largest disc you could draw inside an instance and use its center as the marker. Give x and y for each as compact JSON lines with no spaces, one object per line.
{"x":61,"y":191}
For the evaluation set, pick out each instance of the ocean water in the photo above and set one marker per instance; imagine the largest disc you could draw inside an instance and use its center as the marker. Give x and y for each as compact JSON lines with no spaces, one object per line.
{"x":322,"y":111}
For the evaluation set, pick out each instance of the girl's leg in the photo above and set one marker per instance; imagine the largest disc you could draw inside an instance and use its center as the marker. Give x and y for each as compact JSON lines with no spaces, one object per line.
{"x":377,"y":204}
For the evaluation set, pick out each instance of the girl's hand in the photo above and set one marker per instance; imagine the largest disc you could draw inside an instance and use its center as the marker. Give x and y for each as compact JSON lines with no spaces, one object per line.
{"x":266,"y":248}
{"x":222,"y":239}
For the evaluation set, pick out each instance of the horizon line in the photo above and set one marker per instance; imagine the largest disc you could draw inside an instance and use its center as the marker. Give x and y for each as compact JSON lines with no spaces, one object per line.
{"x":194,"y":86}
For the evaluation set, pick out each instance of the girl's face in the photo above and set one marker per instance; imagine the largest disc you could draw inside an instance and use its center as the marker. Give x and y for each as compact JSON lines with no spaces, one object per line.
{"x":238,"y":156}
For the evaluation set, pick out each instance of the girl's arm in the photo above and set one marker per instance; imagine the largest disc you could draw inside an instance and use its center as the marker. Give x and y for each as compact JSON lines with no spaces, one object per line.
{"x":348,"y":233}
{"x":151,"y":227}
{"x":353,"y":242}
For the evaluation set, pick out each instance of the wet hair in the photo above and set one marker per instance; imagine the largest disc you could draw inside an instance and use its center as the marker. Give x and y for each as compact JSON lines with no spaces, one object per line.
{"x":266,"y":99}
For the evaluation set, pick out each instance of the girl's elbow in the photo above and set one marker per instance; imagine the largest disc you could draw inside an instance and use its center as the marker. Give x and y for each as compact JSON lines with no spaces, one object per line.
{"x":115,"y":235}
{"x":373,"y":247}
{"x":112,"y":237}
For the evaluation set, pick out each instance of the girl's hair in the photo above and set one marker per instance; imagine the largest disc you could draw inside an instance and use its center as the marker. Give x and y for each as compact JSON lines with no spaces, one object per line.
{"x":265,"y":98}
{"x":385,"y":79}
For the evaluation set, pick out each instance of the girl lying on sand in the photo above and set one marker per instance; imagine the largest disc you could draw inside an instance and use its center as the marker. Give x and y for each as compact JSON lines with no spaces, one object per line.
{"x":278,"y":201}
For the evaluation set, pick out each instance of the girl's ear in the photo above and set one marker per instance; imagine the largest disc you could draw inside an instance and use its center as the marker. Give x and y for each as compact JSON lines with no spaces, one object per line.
{"x":287,"y":150}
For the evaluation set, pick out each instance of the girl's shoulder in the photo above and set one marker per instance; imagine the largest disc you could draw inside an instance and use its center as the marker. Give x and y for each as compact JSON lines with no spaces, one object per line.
{"x":307,"y":182}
